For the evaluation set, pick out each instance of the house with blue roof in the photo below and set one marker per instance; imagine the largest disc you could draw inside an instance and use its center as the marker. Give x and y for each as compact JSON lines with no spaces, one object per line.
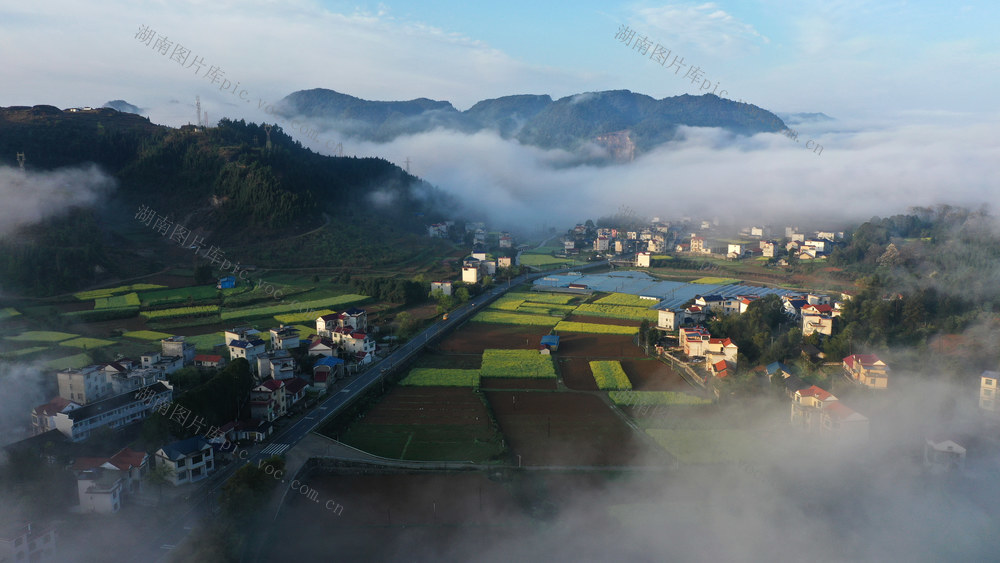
{"x":188,"y":460}
{"x":550,"y":342}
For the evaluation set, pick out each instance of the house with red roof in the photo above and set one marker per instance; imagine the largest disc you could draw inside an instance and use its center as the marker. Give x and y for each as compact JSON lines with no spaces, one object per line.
{"x":867,"y":370}
{"x":268,"y":400}
{"x":694,"y":341}
{"x":295,"y":391}
{"x":817,"y":318}
{"x":104,"y":483}
{"x":209,"y":361}
{"x":818,"y":411}
{"x":719,"y":349}
{"x":43,"y":417}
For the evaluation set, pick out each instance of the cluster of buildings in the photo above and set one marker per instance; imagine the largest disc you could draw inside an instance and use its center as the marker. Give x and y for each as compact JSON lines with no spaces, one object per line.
{"x":760,"y":244}
{"x":478,"y":265}
{"x":649,"y":240}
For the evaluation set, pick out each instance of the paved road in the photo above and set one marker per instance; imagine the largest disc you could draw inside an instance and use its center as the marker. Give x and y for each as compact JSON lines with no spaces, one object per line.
{"x":203,"y":499}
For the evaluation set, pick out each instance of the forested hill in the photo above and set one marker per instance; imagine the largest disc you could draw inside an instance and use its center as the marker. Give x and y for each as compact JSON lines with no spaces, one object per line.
{"x":568,"y":123}
{"x":223,"y":179}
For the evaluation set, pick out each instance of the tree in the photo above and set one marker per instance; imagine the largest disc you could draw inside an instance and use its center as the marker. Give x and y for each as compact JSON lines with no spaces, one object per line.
{"x":157,"y":477}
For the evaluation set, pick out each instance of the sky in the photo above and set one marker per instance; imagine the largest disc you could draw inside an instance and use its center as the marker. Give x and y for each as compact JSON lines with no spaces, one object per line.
{"x":911,"y":86}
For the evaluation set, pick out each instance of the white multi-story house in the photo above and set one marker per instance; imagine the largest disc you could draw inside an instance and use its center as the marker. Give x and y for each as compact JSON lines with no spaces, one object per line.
{"x":242,"y":333}
{"x":284,"y":338}
{"x":268,"y":400}
{"x":988,"y":388}
{"x":84,"y":385}
{"x":25,"y":541}
{"x":114,"y":412}
{"x":249,"y":350}
{"x":43,"y":417}
{"x":175,"y":346}
{"x":278,"y":364}
{"x":443,"y":286}
{"x":817,"y":411}
{"x":188,"y":460}
{"x":163,"y":364}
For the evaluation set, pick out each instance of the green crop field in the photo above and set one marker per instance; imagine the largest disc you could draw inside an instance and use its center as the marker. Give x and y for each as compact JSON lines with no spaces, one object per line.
{"x":617,"y":312}
{"x":432,"y":377}
{"x":70,"y":362}
{"x":610,"y":376}
{"x":543,"y":309}
{"x":291,"y":318}
{"x":146,"y":335}
{"x":181,"y":312}
{"x":517,"y":363}
{"x":206,"y":342}
{"x":507,"y":303}
{"x":271,"y":310}
{"x":8,"y":312}
{"x":185,"y":294}
{"x":27,"y":351}
{"x":594,"y":328}
{"x":627,"y":300}
{"x":549,"y":298}
{"x":537,"y":260}
{"x":98,"y":293}
{"x":717,"y":445}
{"x":42,"y":336}
{"x":501,"y":317}
{"x":643,"y":398}
{"x":714,"y":281}
{"x":86,"y":343}
{"x":117,"y":301}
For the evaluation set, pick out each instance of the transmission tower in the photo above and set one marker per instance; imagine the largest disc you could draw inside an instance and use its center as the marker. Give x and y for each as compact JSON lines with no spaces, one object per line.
{"x":20,"y":160}
{"x":407,"y":165}
{"x":267,"y":129}
{"x":197,"y":107}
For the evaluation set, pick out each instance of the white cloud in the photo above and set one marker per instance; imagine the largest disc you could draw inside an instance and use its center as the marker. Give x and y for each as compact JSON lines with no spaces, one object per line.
{"x":29,"y":197}
{"x":704,"y":26}
{"x":861,"y":171}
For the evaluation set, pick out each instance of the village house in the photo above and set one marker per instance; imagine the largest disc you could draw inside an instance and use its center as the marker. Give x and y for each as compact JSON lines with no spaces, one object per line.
{"x":284,"y":338}
{"x":470,"y":274}
{"x":99,"y":491}
{"x":988,"y":388}
{"x":241,"y":333}
{"x":209,"y":361}
{"x":506,"y":241}
{"x":817,"y":318}
{"x":188,"y":460}
{"x":816,"y":410}
{"x":165,"y":365}
{"x":114,"y":412}
{"x":322,"y":346}
{"x":867,"y":370}
{"x":669,"y":320}
{"x":550,"y":342}
{"x":176,"y":346}
{"x":25,"y":541}
{"x":710,"y":303}
{"x":295,"y":391}
{"x":720,"y":349}
{"x":247,"y":349}
{"x":642,"y":260}
{"x":43,"y":417}
{"x":131,"y":465}
{"x":326,"y":371}
{"x":698,"y":246}
{"x":694,"y":341}
{"x":438,"y":230}
{"x":942,"y":455}
{"x":268,"y":401}
{"x":443,"y":286}
{"x":277,"y":364}
{"x":767,"y":249}
{"x":505,"y":262}
{"x":84,"y":385}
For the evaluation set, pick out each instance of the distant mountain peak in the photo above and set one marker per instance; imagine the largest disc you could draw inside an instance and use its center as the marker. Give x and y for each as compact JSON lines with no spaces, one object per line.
{"x":571,"y":122}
